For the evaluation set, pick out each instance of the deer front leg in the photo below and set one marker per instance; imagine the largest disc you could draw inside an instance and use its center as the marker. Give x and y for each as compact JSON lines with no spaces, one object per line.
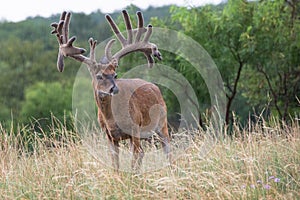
{"x":165,"y":141}
{"x":138,"y":154}
{"x":114,"y":150}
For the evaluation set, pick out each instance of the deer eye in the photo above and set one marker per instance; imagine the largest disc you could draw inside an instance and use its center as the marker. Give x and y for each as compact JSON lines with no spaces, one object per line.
{"x":99,"y":76}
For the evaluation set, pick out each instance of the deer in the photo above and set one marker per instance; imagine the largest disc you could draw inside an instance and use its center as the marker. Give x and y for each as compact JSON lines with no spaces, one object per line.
{"x":131,"y":109}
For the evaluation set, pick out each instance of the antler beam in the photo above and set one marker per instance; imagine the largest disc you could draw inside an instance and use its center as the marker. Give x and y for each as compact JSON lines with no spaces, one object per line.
{"x":66,"y":48}
{"x":129,"y":45}
{"x":134,"y":42}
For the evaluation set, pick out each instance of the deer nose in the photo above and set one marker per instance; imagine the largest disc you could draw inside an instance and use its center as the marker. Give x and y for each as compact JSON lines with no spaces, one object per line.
{"x":114,"y":90}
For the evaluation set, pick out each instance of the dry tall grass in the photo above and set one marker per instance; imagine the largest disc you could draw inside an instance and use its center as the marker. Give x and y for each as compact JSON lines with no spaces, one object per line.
{"x":259,"y":162}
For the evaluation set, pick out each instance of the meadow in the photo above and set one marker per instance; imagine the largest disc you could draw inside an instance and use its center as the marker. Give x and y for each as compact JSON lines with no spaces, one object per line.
{"x":261,"y":161}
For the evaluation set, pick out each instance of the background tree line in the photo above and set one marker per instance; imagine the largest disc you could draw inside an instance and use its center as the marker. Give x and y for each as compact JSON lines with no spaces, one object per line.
{"x":255,"y":45}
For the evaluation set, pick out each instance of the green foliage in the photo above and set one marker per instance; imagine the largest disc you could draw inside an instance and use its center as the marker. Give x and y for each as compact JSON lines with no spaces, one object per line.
{"x":42,"y":100}
{"x":256,"y":48}
{"x":4,"y":113}
{"x":273,"y":41}
{"x":219,"y":32}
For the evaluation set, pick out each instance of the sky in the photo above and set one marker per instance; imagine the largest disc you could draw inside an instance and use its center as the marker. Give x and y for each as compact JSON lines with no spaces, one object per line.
{"x":18,"y":10}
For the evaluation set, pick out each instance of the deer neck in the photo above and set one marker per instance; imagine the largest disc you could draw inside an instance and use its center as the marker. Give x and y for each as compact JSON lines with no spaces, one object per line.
{"x":104,"y":106}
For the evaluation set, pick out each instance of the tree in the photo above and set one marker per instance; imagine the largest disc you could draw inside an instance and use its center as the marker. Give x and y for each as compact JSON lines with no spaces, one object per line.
{"x":274,"y":42}
{"x":219,"y":32}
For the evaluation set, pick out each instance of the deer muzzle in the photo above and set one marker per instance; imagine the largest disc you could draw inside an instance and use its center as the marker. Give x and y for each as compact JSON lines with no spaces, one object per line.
{"x":114,"y":90}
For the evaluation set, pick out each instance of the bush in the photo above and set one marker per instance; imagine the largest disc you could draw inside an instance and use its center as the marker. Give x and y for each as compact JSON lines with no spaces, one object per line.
{"x":45,"y":99}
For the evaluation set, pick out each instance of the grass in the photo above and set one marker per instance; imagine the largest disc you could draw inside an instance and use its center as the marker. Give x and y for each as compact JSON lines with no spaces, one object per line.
{"x":258,"y":162}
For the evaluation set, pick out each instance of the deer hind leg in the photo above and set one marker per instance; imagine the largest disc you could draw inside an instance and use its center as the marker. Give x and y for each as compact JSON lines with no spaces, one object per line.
{"x":137,"y":152}
{"x":114,"y":149}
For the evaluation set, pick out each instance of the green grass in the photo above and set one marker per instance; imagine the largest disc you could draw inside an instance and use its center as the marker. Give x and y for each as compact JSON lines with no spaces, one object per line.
{"x":239,"y":168}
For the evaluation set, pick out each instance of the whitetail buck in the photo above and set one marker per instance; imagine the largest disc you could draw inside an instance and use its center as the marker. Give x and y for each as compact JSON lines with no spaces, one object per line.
{"x":127,"y":108}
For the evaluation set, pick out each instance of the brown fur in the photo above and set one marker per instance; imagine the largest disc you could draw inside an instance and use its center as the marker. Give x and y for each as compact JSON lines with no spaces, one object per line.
{"x":138,"y":108}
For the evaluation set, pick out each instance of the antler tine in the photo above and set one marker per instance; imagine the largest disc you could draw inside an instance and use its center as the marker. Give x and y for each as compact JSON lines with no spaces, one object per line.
{"x":128,"y":26}
{"x":58,"y":32}
{"x":140,"y":27}
{"x":65,"y":28}
{"x":121,"y":38}
{"x":66,"y":48}
{"x":148,"y":33}
{"x":57,"y":27}
{"x":54,"y":25}
{"x":93,"y":44}
{"x":60,"y":27}
{"x":63,"y":16}
{"x":107,"y":50}
{"x":116,"y":30}
{"x":128,"y":46}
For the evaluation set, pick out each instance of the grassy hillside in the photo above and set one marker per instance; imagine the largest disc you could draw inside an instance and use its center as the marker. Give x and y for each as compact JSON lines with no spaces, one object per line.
{"x":262,"y":162}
